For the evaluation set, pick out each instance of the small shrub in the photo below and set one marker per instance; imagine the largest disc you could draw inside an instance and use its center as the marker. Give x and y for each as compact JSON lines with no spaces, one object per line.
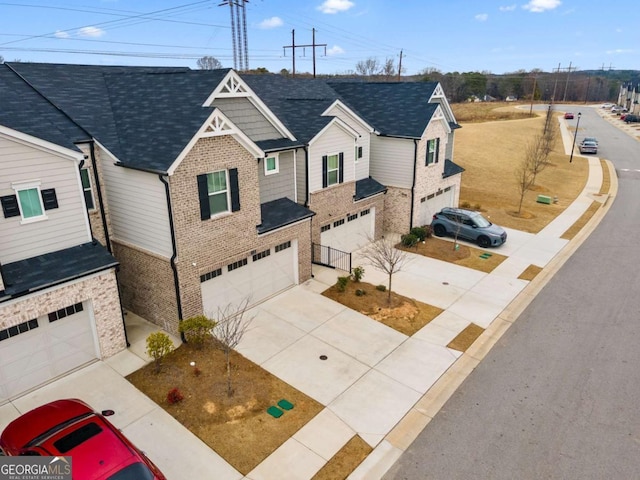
{"x":477,"y":207}
{"x":197,"y":329}
{"x":174,"y":396}
{"x":341,"y":284}
{"x":428,"y":230}
{"x":381,"y":288}
{"x":158,"y":345}
{"x":357,"y":274}
{"x":409,"y":240}
{"x":360,"y":292}
{"x":465,"y":205}
{"x":197,"y":371}
{"x":420,"y":232}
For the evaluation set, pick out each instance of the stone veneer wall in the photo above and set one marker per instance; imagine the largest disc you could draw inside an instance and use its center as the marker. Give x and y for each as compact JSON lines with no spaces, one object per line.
{"x":102,"y":292}
{"x":336,"y":202}
{"x":397,"y":210}
{"x":228,"y":237}
{"x":147,"y":287}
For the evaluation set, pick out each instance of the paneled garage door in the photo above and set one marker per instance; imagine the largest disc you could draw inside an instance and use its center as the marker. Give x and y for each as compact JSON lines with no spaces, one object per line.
{"x":349,"y":233}
{"x":435,"y":202}
{"x":256,"y":277}
{"x":41,"y":349}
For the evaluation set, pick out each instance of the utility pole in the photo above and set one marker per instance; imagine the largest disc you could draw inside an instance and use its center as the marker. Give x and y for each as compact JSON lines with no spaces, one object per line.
{"x":400,"y":66}
{"x":313,"y":46}
{"x":555,"y":85}
{"x":533,"y":93}
{"x":586,"y":95}
{"x":566,"y":85}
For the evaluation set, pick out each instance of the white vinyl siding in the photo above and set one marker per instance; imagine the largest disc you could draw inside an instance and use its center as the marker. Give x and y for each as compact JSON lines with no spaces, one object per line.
{"x":333,"y":140}
{"x":301,"y":176}
{"x":362,"y":164}
{"x":392,"y":161}
{"x":65,"y":226}
{"x":137,"y":207}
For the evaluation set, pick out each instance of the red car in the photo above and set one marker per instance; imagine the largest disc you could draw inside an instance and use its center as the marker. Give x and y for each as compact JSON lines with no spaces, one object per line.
{"x":71,"y":428}
{"x":568,"y":116}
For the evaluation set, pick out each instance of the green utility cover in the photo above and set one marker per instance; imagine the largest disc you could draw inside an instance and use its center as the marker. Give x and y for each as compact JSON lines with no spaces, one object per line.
{"x":544,"y":199}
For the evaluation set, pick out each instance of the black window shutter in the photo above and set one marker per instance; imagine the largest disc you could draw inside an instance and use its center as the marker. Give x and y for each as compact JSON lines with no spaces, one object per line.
{"x":437,"y":149}
{"x":203,"y":195}
{"x":341,"y":168}
{"x":235,"y":191}
{"x":324,"y":171}
{"x":10,"y":206}
{"x":49,"y":199}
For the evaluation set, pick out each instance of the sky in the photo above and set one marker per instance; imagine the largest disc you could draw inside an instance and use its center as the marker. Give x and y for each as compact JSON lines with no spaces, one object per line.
{"x":447,"y":35}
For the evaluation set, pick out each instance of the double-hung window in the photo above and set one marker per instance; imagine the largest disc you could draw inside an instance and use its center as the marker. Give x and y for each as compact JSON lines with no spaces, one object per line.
{"x":433,"y":147}
{"x":30,"y":201}
{"x":86,"y":187}
{"x":333,"y":169}
{"x":218,"y":192}
{"x":271,"y":165}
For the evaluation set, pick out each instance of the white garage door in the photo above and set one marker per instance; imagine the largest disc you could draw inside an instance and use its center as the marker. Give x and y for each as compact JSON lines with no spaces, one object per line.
{"x":41,"y":349}
{"x":256,"y":277}
{"x":435,"y":202}
{"x":350,"y":233}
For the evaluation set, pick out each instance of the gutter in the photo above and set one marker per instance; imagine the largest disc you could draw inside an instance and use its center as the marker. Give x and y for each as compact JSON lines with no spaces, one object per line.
{"x":174,"y":254}
{"x":413,"y":183}
{"x":306,"y":175}
{"x":96,"y":178}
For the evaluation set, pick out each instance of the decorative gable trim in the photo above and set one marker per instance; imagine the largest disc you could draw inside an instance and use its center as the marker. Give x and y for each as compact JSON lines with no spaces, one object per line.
{"x":232,"y":86}
{"x":215,"y":126}
{"x":438,"y":116}
{"x":439,"y":97}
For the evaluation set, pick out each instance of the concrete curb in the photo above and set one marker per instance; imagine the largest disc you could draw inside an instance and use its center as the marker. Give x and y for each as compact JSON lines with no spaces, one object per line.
{"x":407,"y":430}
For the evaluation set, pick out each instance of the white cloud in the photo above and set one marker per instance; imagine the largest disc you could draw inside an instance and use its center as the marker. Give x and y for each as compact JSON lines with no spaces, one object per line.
{"x":481,"y":17}
{"x":273,"y":22}
{"x":61,"y":34}
{"x":538,"y":6}
{"x":335,"y":50}
{"x":508,"y":8}
{"x":90,"y":32}
{"x":335,"y":6}
{"x":620,"y":51}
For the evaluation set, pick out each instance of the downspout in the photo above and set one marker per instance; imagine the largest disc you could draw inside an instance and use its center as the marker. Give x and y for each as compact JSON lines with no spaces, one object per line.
{"x":96,"y":178}
{"x":413,"y":184}
{"x":174,"y":268}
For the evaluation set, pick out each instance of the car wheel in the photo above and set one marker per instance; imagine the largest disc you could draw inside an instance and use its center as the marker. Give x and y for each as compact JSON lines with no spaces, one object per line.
{"x":483,"y":241}
{"x":439,"y":230}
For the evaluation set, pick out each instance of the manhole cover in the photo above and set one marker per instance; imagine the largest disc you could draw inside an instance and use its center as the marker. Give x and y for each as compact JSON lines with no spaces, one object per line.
{"x":323,"y":357}
{"x":445,"y":283}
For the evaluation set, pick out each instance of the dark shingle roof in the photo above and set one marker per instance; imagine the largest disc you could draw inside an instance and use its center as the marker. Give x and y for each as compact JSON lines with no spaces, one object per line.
{"x":451,"y":168}
{"x":368,"y":187}
{"x":280,"y":213}
{"x":36,"y":273}
{"x":24,"y":110}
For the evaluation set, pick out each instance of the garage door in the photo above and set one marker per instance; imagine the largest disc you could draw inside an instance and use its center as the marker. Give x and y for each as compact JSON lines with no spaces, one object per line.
{"x":435,"y":202}
{"x":349,"y":233}
{"x":41,"y":349}
{"x":256,"y":277}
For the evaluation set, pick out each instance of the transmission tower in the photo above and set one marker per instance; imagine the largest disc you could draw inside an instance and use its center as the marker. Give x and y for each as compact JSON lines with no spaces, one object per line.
{"x":238,"y":33}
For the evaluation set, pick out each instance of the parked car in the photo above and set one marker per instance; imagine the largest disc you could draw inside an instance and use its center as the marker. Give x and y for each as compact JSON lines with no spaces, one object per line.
{"x":568,"y":116}
{"x":469,"y":225}
{"x":71,"y":428}
{"x":618,"y":109}
{"x":588,"y":147}
{"x":589,"y":139}
{"x":631,"y":118}
{"x":608,"y":105}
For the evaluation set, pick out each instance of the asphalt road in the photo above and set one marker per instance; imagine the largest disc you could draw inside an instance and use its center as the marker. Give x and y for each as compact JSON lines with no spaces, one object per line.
{"x":558,"y":396}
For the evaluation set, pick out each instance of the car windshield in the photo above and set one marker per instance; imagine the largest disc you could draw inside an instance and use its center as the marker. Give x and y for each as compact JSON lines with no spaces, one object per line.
{"x":481,"y":222}
{"x":135,"y":471}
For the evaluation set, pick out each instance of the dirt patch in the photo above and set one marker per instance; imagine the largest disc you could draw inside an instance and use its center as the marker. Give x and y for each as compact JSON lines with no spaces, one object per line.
{"x":573,"y":230}
{"x":464,"y":255}
{"x":238,"y":428}
{"x":530,"y":273}
{"x":403,"y":314}
{"x":345,"y":461}
{"x":466,"y":338}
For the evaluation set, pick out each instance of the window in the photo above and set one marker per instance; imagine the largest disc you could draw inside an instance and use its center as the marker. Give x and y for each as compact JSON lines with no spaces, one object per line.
{"x":18,"y":329}
{"x":283,"y":246}
{"x":358,"y":153}
{"x":433,"y":147}
{"x":353,"y":217}
{"x":210,"y":275}
{"x":218,"y":193}
{"x":332,"y":169}
{"x":337,"y":223}
{"x":324,"y":228}
{"x":271,"y":165}
{"x":29,"y":201}
{"x":86,"y":187}
{"x":261,"y":255}
{"x":365,"y":212}
{"x":63,"y":312}
{"x":233,"y":266}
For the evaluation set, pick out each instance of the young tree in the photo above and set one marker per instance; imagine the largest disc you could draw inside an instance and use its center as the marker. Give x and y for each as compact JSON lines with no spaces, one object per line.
{"x":384,"y":257}
{"x":229,"y":330}
{"x":524,"y":172}
{"x":208,"y":63}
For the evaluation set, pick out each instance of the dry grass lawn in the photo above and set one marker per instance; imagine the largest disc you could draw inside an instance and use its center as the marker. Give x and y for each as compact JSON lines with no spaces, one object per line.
{"x":573,"y":230}
{"x":530,"y":272}
{"x":473,"y":112}
{"x":466,"y":338}
{"x":345,"y":461}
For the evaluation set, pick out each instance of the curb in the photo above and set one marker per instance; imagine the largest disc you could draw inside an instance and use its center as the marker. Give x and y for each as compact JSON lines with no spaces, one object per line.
{"x":407,"y":430}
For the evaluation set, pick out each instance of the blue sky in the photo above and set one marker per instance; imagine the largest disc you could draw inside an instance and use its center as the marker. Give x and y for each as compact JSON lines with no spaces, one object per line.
{"x":448,"y":35}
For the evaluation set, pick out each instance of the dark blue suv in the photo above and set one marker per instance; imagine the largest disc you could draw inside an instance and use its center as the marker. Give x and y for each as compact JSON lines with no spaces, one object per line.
{"x":469,"y":225}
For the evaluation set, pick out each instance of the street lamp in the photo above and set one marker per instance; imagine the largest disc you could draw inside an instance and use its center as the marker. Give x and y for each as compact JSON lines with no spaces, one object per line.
{"x":574,"y":137}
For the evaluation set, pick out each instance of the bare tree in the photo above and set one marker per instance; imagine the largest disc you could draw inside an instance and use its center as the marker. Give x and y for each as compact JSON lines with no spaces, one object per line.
{"x":228,"y":332}
{"x":388,"y":69}
{"x":369,"y":67}
{"x":208,"y":63}
{"x":384,"y":257}
{"x":524,"y":172}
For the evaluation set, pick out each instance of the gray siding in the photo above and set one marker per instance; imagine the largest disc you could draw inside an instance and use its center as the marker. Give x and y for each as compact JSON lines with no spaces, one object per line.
{"x":301,"y":176}
{"x":392,"y":161}
{"x":278,"y":185}
{"x":332,"y":141}
{"x":137,"y":207}
{"x":248,"y":118}
{"x":65,"y":226}
{"x":362,"y":164}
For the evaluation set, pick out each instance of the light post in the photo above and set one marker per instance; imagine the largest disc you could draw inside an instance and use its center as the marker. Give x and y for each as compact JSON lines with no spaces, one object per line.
{"x":574,"y":137}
